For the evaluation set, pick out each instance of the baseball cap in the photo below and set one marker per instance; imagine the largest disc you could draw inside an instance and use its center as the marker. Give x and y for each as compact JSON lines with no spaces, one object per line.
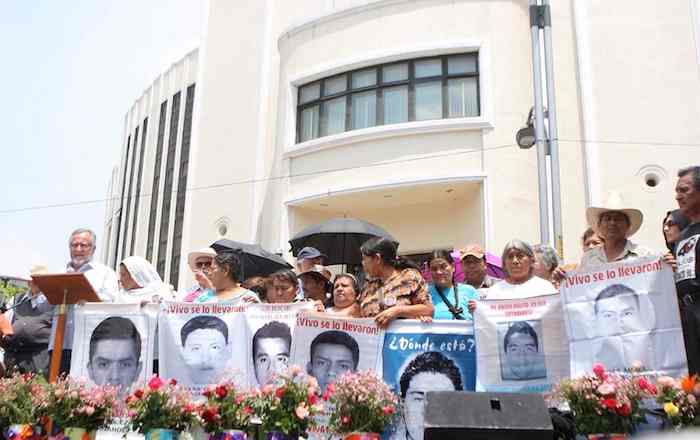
{"x":310,"y":252}
{"x":471,"y":249}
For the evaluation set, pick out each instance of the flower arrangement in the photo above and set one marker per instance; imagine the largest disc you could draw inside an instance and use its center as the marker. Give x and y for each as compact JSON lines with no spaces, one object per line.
{"x":22,"y":402}
{"x":680,"y":399}
{"x":72,"y":403}
{"x":605,"y":402}
{"x":289,"y":404}
{"x":361,"y":402}
{"x":160,"y":405}
{"x":226,"y":408}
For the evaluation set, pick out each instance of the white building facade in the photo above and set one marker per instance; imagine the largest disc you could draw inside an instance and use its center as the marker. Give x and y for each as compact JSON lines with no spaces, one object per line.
{"x":403,"y":113}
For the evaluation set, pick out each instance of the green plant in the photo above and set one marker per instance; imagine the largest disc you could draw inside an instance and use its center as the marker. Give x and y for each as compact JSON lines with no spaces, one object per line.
{"x":289,"y":404}
{"x":72,"y":403}
{"x":361,"y":402}
{"x":604,"y":402}
{"x":23,"y":399}
{"x":160,"y":405}
{"x":226,"y":408}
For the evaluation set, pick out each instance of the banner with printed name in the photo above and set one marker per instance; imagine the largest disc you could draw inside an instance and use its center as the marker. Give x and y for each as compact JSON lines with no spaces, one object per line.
{"x":327,"y":346}
{"x":418,"y":357}
{"x":522,"y":344}
{"x":270,"y":331}
{"x":201,"y":343}
{"x":624,"y":315}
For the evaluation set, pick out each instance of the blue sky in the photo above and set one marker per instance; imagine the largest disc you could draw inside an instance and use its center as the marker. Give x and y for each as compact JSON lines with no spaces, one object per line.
{"x":70,"y":72}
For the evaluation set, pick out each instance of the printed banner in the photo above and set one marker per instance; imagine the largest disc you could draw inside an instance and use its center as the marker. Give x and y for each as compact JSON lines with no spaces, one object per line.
{"x":202,"y":343}
{"x":270,"y":328}
{"x":118,"y":344}
{"x":624,"y":315}
{"x":328,"y":346}
{"x":522,"y":345}
{"x":418,"y":358}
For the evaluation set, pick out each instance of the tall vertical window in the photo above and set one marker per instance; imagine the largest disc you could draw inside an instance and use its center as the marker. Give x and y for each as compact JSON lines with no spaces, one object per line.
{"x":121,"y":203}
{"x":156,"y":180}
{"x":168,"y":185}
{"x":130,"y":186}
{"x":423,"y":89}
{"x":137,"y":193}
{"x":182,"y":187}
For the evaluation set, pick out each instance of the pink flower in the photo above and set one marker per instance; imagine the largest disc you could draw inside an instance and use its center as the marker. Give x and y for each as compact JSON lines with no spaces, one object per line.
{"x":301,"y":411}
{"x":388,"y":410}
{"x":345,"y":420}
{"x":89,"y":410}
{"x":155,"y":383}
{"x":267,"y":389}
{"x":599,"y":370}
{"x":666,"y":381}
{"x":691,"y":399}
{"x":647,"y":386}
{"x":295,"y":370}
{"x":606,"y":389}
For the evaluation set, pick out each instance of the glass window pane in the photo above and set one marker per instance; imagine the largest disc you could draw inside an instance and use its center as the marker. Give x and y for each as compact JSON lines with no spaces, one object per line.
{"x":396,"y":105}
{"x":364,"y":78}
{"x":310,"y":92}
{"x":427,"y":68}
{"x":309,"y":124}
{"x":335,"y":85}
{"x":333,"y":116}
{"x":395,"y":72}
{"x":429,"y":100}
{"x":462,"y":97}
{"x":461,"y":64}
{"x":364,"y":109}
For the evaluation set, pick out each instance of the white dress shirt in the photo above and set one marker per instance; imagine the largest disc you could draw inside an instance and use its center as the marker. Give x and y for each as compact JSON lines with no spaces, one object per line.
{"x":103,"y":280}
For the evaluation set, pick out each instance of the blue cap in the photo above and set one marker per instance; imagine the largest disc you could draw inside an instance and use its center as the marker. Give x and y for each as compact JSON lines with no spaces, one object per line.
{"x":310,"y":252}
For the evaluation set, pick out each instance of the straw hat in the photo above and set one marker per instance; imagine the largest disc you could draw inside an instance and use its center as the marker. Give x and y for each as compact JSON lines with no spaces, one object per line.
{"x":204,"y":252}
{"x":615,"y":204}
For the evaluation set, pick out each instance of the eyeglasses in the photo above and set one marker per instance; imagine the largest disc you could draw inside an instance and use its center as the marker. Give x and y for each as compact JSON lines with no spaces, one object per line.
{"x":81,"y":245}
{"x":202,"y":264}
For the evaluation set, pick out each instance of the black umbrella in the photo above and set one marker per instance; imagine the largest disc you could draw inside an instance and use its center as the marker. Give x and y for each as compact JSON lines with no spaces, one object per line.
{"x":339,"y":238}
{"x":255,"y":260}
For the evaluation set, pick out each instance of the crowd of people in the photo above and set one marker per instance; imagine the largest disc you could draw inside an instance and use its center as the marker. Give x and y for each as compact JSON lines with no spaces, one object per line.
{"x":390,"y":287}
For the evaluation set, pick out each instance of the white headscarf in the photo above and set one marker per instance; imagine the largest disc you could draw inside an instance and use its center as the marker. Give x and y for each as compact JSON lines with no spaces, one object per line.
{"x":145,"y":275}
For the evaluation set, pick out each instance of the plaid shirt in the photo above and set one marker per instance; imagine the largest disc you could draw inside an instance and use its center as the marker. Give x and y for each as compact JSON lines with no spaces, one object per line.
{"x":405,"y":288}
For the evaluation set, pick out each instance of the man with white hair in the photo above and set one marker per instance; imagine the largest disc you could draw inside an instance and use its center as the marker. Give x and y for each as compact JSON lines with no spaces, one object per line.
{"x":82,"y":244}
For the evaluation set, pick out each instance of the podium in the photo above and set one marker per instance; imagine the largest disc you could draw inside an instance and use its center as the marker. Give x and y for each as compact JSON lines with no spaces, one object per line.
{"x":61,"y":290}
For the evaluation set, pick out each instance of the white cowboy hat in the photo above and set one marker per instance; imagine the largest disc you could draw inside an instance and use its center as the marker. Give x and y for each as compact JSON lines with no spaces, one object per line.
{"x":615,"y":204}
{"x":204,"y":252}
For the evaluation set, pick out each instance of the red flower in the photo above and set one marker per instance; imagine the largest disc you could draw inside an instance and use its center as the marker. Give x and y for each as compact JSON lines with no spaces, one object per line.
{"x":329,"y":391}
{"x":388,"y":410}
{"x":221,"y":391}
{"x":172,"y":382}
{"x":279,"y":392}
{"x":609,"y":403}
{"x":647,"y":386}
{"x":209,"y":414}
{"x":138,"y":393}
{"x":248,"y":410}
{"x":599,"y":370}
{"x":624,"y":410}
{"x":155,"y":383}
{"x":313,"y":399}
